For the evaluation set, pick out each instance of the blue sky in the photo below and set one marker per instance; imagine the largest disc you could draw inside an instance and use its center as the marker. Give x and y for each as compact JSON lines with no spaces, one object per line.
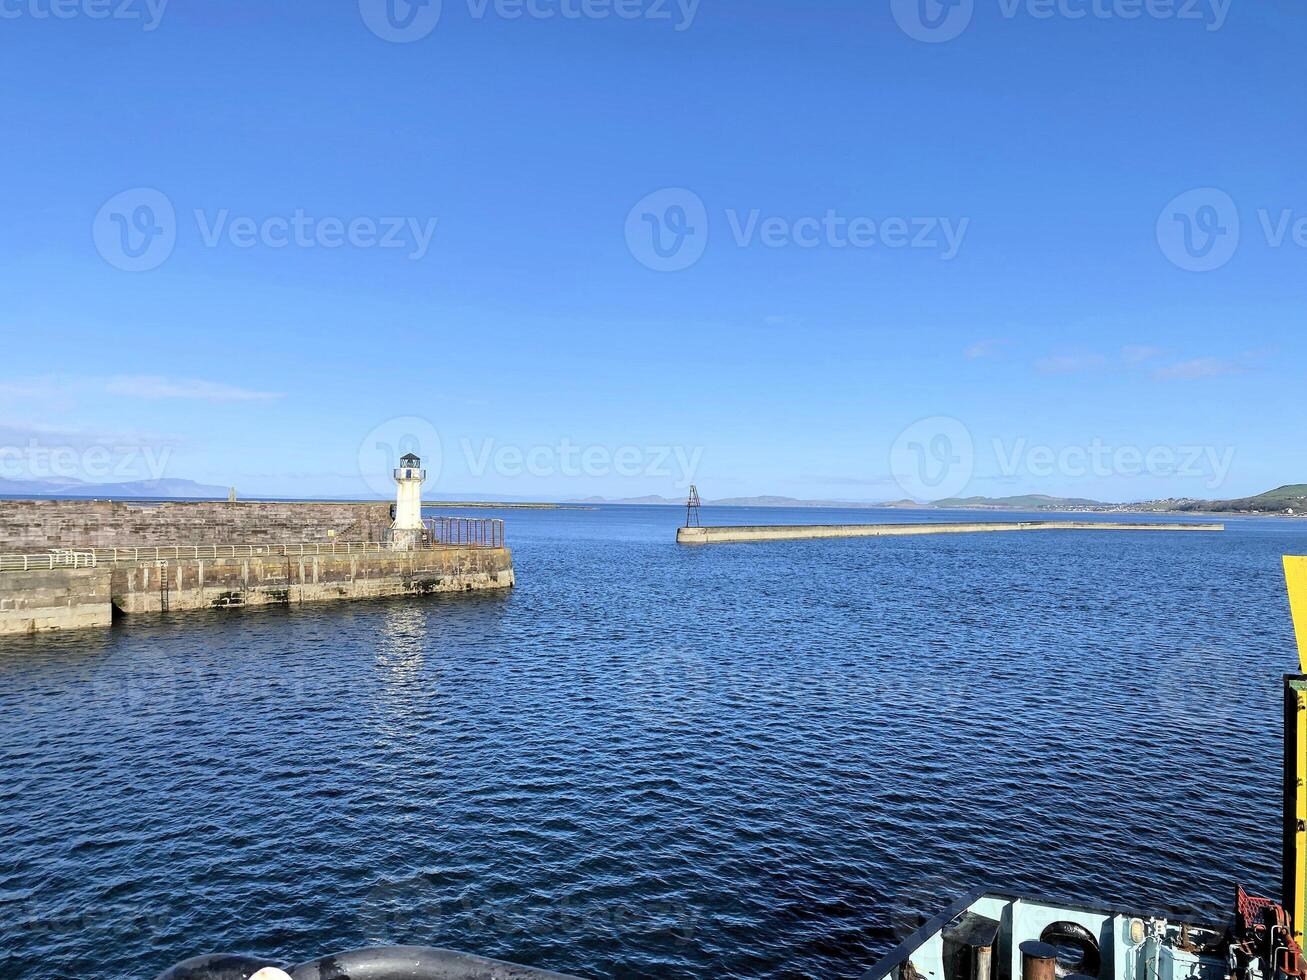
{"x":898,"y":266}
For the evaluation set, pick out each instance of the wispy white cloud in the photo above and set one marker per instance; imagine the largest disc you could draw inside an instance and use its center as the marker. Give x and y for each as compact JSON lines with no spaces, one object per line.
{"x":57,"y":387}
{"x":15,"y":431}
{"x":158,"y":387}
{"x":69,"y":456}
{"x":23,"y":433}
{"x":1198,"y":368}
{"x":1134,"y":358}
{"x":1136,"y":355}
{"x":985,"y":348}
{"x":1071,"y":363}
{"x":30,"y":387}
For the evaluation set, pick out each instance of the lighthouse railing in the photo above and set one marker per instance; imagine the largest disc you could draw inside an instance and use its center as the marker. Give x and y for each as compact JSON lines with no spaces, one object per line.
{"x":464,"y":532}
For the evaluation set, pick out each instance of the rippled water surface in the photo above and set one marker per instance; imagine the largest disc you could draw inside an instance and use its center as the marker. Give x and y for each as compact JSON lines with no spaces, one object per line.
{"x":739,"y":761}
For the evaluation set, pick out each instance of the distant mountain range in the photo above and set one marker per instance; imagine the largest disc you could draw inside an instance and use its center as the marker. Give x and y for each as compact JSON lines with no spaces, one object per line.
{"x":764,"y":501}
{"x":1287,"y":500}
{"x":1025,"y":501}
{"x":148,"y":489}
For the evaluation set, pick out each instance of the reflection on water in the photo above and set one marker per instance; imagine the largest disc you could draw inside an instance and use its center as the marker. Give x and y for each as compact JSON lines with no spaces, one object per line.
{"x":401,"y":644}
{"x":753,"y":760}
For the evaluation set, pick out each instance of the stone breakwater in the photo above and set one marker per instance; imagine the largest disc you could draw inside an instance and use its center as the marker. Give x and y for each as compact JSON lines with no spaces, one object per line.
{"x":795,"y":532}
{"x":39,"y":525}
{"x":73,"y":598}
{"x":72,"y":564}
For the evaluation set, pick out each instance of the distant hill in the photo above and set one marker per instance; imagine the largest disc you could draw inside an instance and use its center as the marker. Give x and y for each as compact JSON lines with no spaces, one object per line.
{"x":1293,"y":495}
{"x":135,"y":489}
{"x":770,"y":501}
{"x":1286,"y":500}
{"x":762,"y":501}
{"x":1291,"y":492}
{"x":1289,"y":499}
{"x":35,"y":488}
{"x":1026,"y":501}
{"x":649,"y":499}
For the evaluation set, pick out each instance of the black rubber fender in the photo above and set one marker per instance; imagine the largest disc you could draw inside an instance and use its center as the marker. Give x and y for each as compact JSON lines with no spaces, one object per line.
{"x":1076,"y":936}
{"x":414,"y":963}
{"x":377,"y":963}
{"x":223,"y":966}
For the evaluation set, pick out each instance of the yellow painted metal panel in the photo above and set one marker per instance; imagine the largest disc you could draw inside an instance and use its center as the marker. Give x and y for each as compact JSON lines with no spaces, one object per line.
{"x":1298,"y":914}
{"x":1295,"y":573}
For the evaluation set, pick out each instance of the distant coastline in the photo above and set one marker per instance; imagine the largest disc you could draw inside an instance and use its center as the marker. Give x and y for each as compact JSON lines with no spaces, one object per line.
{"x":151,"y":499}
{"x":1286,"y":501}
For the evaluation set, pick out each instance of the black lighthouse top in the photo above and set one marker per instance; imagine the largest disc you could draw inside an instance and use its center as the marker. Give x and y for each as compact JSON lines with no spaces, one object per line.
{"x":410,"y":461}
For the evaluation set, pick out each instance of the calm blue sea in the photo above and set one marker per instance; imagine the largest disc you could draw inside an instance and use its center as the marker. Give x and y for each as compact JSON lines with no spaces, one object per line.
{"x":757,"y":760}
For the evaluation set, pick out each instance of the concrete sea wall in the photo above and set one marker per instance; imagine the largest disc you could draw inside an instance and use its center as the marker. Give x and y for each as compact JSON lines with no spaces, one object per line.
{"x":39,"y":525}
{"x":794,"y":532}
{"x":73,"y":598}
{"x":54,"y":599}
{"x":230,"y":582}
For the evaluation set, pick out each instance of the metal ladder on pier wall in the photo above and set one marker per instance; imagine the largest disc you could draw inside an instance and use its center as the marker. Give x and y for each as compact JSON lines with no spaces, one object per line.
{"x":162,"y":567}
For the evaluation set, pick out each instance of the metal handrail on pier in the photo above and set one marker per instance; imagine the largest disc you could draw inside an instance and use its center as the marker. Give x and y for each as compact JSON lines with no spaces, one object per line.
{"x":53,"y":559}
{"x":465,"y":532}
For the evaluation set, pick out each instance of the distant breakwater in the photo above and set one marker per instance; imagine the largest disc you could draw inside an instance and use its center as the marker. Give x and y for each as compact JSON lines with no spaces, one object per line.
{"x":795,"y":532}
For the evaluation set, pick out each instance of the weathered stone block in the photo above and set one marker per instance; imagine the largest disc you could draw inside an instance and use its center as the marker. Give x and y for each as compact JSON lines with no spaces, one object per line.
{"x":54,"y":599}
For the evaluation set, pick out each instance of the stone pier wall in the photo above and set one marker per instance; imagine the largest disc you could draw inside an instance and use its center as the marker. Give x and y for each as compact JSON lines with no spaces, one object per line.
{"x":224,"y":583}
{"x":64,"y":598}
{"x":39,"y":525}
{"x":54,"y":599}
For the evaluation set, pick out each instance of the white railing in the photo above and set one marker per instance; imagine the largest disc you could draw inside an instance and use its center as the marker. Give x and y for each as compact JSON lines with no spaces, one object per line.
{"x":113,"y":556}
{"x":475,"y":536}
{"x":53,"y":559}
{"x":116,"y":556}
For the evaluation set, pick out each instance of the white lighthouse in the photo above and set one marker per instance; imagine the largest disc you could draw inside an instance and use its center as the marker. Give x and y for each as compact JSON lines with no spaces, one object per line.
{"x":409,"y":477}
